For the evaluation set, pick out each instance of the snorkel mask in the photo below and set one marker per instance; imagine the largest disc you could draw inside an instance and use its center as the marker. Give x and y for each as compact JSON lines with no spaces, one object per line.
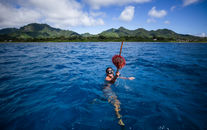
{"x":109,"y":70}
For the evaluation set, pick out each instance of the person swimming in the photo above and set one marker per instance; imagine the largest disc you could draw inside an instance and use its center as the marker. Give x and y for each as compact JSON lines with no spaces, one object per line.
{"x":111,"y":96}
{"x":111,"y":78}
{"x":110,"y":75}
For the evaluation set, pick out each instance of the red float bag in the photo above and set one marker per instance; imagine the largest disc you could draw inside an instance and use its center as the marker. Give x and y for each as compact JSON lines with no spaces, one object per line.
{"x":118,"y":60}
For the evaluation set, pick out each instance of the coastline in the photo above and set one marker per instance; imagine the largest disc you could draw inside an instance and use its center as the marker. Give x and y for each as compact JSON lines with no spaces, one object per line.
{"x":99,"y":41}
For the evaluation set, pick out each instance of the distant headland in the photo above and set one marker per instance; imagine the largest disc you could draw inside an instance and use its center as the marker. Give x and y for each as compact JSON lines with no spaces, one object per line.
{"x":35,"y":32}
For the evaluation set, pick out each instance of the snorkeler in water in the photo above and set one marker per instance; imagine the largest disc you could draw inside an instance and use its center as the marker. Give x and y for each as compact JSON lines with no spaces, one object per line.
{"x":112,"y":98}
{"x":112,"y":78}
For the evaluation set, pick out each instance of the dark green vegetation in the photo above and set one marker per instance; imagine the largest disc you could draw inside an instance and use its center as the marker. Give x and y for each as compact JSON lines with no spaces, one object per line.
{"x":42,"y":32}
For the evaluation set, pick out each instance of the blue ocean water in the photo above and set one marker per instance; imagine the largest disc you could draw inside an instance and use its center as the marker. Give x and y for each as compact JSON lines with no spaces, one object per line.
{"x":60,"y":86}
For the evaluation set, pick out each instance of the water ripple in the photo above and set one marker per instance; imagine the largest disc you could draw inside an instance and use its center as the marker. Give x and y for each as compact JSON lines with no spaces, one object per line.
{"x":60,"y":86}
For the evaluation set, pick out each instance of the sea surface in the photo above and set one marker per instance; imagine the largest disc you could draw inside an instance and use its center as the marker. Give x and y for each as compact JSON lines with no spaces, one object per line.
{"x":47,"y":86}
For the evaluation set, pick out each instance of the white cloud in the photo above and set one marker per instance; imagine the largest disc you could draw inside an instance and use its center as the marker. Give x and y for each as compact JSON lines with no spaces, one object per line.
{"x":189,"y":2}
{"x":151,"y":20}
{"x":167,"y":22}
{"x":12,"y":17}
{"x":62,"y":14}
{"x":157,"y":13}
{"x":172,"y":8}
{"x":203,"y":35}
{"x":96,"y":4}
{"x":97,"y":14}
{"x":127,"y":14}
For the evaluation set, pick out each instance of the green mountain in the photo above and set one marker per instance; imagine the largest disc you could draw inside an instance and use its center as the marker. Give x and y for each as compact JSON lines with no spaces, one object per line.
{"x":117,"y":33}
{"x":86,"y":35}
{"x":144,"y":34}
{"x":37,"y":31}
{"x":7,"y":31}
{"x":123,"y":32}
{"x":44,"y":32}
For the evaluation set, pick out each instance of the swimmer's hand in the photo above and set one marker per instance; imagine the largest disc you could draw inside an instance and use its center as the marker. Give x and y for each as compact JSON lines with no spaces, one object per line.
{"x":118,"y":74}
{"x":131,"y":78}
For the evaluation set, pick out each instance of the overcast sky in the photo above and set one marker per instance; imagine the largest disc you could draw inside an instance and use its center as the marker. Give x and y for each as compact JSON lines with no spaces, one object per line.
{"x":94,"y":16}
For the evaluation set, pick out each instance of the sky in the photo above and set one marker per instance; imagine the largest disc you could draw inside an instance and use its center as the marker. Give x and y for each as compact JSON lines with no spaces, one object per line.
{"x":95,"y":16}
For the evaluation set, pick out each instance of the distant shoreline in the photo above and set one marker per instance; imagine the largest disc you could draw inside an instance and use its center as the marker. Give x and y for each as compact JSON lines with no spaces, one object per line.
{"x":100,"y":41}
{"x":35,"y":32}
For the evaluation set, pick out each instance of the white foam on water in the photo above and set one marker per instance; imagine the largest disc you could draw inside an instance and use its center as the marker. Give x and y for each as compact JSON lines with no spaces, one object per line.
{"x":163,"y":128}
{"x":128,"y":88}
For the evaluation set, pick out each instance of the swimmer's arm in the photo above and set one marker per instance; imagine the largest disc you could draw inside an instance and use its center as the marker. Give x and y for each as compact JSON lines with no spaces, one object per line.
{"x":111,"y":80}
{"x":108,"y":78}
{"x":114,"y":79}
{"x":130,"y":78}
